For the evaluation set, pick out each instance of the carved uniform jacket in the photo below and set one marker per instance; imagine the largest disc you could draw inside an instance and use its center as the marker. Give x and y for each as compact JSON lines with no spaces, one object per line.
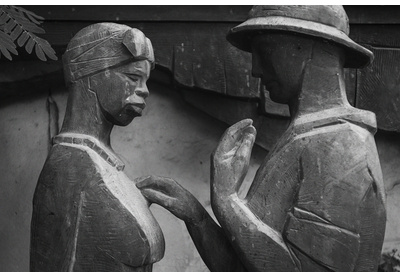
{"x":88,"y":215}
{"x":317,"y":203}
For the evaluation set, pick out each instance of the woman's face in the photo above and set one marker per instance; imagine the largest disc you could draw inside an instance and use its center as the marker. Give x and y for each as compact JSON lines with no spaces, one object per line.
{"x":279,"y":60}
{"x":121,"y":91}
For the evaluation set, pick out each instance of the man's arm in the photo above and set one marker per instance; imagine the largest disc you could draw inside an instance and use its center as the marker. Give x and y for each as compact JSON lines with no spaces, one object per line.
{"x":211,"y":243}
{"x":260,"y":247}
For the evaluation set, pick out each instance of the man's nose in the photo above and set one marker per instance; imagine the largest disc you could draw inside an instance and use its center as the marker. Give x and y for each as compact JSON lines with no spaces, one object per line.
{"x":256,"y":73}
{"x":256,"y":69}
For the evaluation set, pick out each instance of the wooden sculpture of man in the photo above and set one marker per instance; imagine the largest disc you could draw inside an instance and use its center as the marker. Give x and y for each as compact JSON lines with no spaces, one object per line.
{"x":87,"y":214}
{"x":317,"y":202}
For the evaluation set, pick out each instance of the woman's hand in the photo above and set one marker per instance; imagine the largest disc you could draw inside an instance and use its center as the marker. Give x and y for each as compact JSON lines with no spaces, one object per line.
{"x":230,"y":161}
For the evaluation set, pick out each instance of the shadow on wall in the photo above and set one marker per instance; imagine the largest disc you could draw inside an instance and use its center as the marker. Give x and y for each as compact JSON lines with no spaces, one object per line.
{"x":171,"y":139}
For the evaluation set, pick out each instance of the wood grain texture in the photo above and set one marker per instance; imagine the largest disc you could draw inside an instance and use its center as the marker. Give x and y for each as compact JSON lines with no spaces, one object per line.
{"x":196,"y":53}
{"x":159,"y":13}
{"x":373,"y":14}
{"x":219,"y":13}
{"x":378,"y":88}
{"x":380,"y":35}
{"x":313,"y":189}
{"x":80,"y":223}
{"x":87,"y":214}
{"x":317,"y":202}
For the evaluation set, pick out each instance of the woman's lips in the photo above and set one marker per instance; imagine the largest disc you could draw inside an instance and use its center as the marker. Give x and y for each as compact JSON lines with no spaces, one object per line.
{"x":135,"y":108}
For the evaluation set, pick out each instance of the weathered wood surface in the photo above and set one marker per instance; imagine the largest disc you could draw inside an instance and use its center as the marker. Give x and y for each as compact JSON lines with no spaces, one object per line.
{"x":384,"y":35}
{"x":317,"y":201}
{"x":318,"y":197}
{"x":236,"y":13}
{"x":373,"y":14}
{"x":199,"y":13}
{"x":87,"y":214}
{"x":378,"y":88}
{"x":189,"y":41}
{"x":230,"y":111}
{"x":201,"y":59}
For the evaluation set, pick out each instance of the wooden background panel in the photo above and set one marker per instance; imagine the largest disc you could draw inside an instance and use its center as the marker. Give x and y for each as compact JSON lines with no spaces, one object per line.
{"x":378,"y":88}
{"x":197,"y":54}
{"x":159,"y":13}
{"x":189,"y":41}
{"x":215,"y":13}
{"x":231,"y":110}
{"x":373,"y":14}
{"x":380,"y":35}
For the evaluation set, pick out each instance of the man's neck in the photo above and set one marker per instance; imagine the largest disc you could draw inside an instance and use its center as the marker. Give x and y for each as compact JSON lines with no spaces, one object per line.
{"x":323,"y":85}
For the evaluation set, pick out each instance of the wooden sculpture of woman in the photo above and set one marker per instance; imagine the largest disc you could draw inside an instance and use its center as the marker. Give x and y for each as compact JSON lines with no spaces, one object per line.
{"x":317,"y":202}
{"x":87,"y":214}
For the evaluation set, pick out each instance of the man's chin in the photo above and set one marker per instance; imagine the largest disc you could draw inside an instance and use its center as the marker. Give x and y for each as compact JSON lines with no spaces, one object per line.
{"x":277,"y":99}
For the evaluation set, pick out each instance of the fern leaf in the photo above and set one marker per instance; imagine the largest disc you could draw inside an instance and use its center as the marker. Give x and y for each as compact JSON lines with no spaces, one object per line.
{"x":46,"y":47}
{"x":3,"y":17}
{"x":39,"y":52}
{"x":29,"y":45}
{"x":5,"y":52}
{"x":31,"y":15}
{"x":31,"y":27}
{"x":22,"y":39}
{"x":21,"y":25}
{"x":16,"y":32}
{"x":9,"y":26}
{"x":31,"y":18}
{"x":7,"y":43}
{"x":19,"y":19}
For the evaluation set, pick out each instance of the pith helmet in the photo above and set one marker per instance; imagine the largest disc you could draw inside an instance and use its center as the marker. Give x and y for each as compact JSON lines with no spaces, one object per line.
{"x":327,"y":22}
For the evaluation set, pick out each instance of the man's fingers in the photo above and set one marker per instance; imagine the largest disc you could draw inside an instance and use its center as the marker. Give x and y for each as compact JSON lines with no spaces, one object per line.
{"x":244,"y":151}
{"x":142,"y":181}
{"x":163,"y":185}
{"x":155,"y":182}
{"x":173,"y":205}
{"x":235,"y":130}
{"x":157,"y":197}
{"x":232,"y":135}
{"x":249,"y":130}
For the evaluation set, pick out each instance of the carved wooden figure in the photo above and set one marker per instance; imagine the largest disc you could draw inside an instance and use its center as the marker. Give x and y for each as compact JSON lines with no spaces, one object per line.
{"x":87,"y":214}
{"x":317,"y":203}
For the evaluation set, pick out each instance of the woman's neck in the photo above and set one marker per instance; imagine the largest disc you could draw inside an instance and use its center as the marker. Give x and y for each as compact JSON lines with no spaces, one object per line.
{"x":323,"y":85}
{"x":83,"y":114}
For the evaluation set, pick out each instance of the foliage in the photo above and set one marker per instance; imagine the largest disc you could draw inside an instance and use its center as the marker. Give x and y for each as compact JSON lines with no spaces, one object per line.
{"x":390,"y":261}
{"x":18,"y":24}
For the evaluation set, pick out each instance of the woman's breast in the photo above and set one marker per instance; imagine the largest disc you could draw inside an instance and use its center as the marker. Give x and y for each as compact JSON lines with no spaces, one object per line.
{"x":136,"y":208}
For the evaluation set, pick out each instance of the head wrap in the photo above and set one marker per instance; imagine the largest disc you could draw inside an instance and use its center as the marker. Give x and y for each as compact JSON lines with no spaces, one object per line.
{"x":104,"y":45}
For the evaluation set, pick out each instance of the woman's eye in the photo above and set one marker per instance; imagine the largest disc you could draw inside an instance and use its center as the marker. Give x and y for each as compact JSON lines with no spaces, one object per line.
{"x":132,"y":77}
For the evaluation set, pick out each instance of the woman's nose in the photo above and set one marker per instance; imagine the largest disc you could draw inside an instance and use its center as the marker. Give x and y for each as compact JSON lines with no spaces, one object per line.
{"x":142,"y":91}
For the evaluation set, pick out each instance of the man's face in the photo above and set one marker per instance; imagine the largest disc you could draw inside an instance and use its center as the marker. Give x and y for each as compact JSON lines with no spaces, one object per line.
{"x":279,"y":60}
{"x":121,"y":91}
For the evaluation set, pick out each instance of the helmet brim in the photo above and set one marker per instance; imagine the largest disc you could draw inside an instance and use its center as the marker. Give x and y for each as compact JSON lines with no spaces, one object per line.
{"x":241,"y":36}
